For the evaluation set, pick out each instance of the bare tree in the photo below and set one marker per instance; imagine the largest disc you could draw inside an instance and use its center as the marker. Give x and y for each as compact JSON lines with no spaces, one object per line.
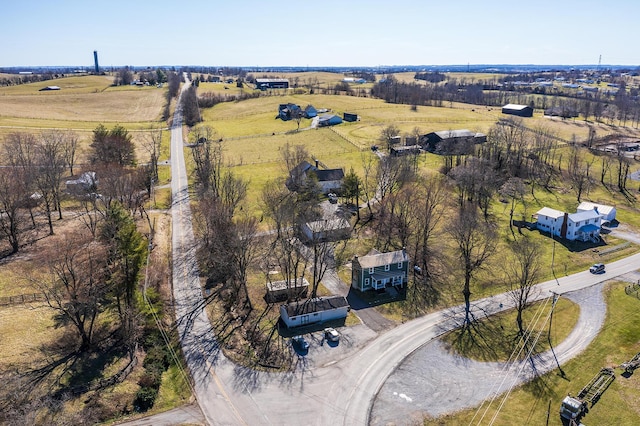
{"x":50,"y":164}
{"x":578,"y":170}
{"x":523,"y":272}
{"x":389,"y":135}
{"x":70,"y":149}
{"x":12,"y":199}
{"x":152,"y":143}
{"x":475,"y":242}
{"x":76,"y":288}
{"x":513,"y":190}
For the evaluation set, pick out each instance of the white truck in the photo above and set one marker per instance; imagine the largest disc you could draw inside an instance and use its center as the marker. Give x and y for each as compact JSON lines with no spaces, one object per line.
{"x":574,"y":407}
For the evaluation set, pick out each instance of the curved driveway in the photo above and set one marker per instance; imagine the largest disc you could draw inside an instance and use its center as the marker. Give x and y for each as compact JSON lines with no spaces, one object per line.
{"x":338,"y":392}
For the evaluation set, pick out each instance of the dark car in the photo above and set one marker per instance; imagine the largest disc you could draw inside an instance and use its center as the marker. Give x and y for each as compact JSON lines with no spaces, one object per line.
{"x":300,"y":343}
{"x":598,"y":268}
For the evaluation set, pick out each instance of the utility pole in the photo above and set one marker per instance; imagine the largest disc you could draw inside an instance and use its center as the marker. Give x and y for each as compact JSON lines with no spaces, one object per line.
{"x":556,"y":296}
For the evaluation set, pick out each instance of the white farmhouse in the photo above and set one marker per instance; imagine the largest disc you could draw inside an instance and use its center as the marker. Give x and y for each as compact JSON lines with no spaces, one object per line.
{"x":582,"y":226}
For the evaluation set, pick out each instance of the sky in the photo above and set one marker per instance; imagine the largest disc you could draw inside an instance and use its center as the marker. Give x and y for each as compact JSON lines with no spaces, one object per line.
{"x":302,"y":33}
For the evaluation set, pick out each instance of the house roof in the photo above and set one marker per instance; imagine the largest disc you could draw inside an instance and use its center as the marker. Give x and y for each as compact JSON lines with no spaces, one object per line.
{"x":515,"y":106}
{"x":549,"y":212}
{"x":381,"y":259}
{"x":328,"y":224}
{"x":329,"y":174}
{"x":272,"y":80}
{"x":462,"y":133}
{"x":602,"y":209}
{"x":282,"y":285}
{"x":585,"y":215}
{"x":315,"y":305}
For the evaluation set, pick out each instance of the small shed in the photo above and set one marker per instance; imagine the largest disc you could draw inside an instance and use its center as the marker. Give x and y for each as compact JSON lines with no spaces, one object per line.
{"x":313,"y":311}
{"x":278,"y":291}
{"x":398,"y":151}
{"x":519,"y":110}
{"x":272,"y":83}
{"x":349,"y":116}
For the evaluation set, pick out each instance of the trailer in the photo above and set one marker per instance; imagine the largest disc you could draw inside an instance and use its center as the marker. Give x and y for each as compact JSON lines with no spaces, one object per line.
{"x":574,"y":407}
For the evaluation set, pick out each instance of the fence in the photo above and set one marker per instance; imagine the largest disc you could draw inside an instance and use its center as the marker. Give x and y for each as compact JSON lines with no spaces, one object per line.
{"x":21,"y":299}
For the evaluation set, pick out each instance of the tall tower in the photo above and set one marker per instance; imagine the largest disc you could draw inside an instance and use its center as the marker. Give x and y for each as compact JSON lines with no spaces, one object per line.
{"x":95,"y":62}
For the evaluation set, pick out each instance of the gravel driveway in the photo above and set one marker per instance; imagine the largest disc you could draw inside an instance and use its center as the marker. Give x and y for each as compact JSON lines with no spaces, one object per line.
{"x":433,"y":382}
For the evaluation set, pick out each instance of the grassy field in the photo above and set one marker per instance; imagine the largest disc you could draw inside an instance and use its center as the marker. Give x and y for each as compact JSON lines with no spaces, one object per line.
{"x":500,"y":331}
{"x":617,"y":342}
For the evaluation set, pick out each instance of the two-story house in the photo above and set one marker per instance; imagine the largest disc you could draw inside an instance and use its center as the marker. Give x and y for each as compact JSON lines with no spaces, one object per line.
{"x":582,"y":226}
{"x":376,"y":270}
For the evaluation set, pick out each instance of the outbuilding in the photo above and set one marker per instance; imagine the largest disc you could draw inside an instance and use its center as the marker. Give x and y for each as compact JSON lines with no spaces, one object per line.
{"x":278,"y":291}
{"x":272,"y":83}
{"x":519,"y":110}
{"x":607,"y":213}
{"x":333,"y":229}
{"x":312,"y":311}
{"x":329,"y":120}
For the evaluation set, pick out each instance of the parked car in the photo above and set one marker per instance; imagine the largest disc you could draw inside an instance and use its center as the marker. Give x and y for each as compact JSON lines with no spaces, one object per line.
{"x":333,"y":198}
{"x":300,"y":342}
{"x":597,"y":268}
{"x":331,"y":334}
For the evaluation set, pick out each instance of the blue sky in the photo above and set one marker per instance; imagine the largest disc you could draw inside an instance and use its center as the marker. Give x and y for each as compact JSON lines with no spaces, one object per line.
{"x":319,"y":33}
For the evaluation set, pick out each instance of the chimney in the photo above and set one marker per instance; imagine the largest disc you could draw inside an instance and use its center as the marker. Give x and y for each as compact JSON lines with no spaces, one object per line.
{"x":316,"y":163}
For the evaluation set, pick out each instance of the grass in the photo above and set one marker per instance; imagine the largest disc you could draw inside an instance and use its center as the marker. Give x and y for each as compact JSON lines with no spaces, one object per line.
{"x":500,"y":336}
{"x":617,"y":342}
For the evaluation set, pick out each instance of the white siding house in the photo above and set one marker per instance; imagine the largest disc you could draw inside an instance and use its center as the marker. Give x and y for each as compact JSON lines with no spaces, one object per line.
{"x":582,"y":226}
{"x":607,"y":213}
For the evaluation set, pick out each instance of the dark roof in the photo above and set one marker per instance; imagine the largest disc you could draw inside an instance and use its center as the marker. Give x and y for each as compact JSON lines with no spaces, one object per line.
{"x":315,"y":305}
{"x":329,"y":174}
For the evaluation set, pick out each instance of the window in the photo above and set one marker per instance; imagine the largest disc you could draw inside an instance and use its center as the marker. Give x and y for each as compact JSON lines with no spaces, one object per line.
{"x":366,"y":282}
{"x":399,"y":265}
{"x":387,"y":267}
{"x":371,"y":271}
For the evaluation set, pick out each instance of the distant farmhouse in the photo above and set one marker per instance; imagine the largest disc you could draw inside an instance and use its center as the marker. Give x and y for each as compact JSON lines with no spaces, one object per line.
{"x":85,"y":184}
{"x":272,"y":83}
{"x":376,"y":270}
{"x":519,"y":110}
{"x":44,"y":89}
{"x":329,"y":180}
{"x":451,"y":141}
{"x":288,"y":111}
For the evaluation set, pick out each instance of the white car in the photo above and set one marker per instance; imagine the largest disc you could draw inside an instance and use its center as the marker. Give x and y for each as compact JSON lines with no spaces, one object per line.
{"x":331,"y":334}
